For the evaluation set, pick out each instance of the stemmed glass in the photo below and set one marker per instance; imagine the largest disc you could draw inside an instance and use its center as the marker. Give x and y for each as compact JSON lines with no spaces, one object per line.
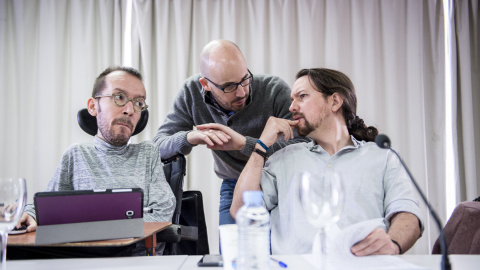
{"x":13,"y":196}
{"x":322,"y":197}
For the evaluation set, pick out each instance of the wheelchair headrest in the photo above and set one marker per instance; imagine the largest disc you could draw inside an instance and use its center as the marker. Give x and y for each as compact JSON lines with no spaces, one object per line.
{"x":88,"y":123}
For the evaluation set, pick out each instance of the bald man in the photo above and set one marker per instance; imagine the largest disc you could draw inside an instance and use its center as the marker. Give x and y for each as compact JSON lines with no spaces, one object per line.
{"x":229,"y":106}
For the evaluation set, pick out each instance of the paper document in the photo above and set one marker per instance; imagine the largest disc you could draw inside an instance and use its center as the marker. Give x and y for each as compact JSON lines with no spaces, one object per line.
{"x":339,"y":243}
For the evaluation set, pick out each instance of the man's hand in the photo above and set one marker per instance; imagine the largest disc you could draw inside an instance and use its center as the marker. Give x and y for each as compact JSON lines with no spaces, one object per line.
{"x":28,"y":221}
{"x":209,"y":137}
{"x":378,"y":242}
{"x":222,"y":137}
{"x":275,"y":127}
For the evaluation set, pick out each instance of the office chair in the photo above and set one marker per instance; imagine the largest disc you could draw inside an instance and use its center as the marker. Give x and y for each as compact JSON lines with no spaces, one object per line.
{"x":188,"y":233}
{"x":88,"y":123}
{"x":462,"y":231}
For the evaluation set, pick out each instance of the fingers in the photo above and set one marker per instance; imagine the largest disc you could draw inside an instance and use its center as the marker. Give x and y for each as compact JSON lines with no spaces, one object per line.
{"x":209,"y":137}
{"x":277,"y":127}
{"x":22,"y":219}
{"x":376,"y":243}
{"x":29,"y":222}
{"x":212,"y":126}
{"x":216,"y":136}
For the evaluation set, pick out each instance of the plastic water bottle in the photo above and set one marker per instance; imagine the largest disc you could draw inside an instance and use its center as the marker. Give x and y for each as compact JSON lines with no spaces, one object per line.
{"x":253,"y":223}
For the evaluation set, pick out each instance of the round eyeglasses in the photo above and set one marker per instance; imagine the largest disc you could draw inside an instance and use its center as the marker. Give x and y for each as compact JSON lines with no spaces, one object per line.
{"x":120,"y":99}
{"x":233,"y":86}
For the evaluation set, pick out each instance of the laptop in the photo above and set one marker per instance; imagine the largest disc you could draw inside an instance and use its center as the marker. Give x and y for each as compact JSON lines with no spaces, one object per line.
{"x":88,"y":215}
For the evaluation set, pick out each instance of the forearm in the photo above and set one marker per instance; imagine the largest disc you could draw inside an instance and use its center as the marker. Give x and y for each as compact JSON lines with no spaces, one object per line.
{"x":171,"y":145}
{"x":249,"y":180}
{"x":404,"y":229}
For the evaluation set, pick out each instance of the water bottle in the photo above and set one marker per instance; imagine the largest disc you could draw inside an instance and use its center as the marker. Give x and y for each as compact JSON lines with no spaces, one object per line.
{"x":253,"y":223}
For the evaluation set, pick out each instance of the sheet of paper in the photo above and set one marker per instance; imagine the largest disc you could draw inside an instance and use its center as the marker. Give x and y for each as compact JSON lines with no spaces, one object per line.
{"x":339,"y":243}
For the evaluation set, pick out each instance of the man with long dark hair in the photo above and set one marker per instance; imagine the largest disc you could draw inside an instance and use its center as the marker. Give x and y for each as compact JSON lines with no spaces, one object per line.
{"x":376,"y":185}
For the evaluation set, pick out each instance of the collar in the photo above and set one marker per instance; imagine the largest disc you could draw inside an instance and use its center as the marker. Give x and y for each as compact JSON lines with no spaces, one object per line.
{"x":106,"y":148}
{"x":312,"y":146}
{"x":214,"y":103}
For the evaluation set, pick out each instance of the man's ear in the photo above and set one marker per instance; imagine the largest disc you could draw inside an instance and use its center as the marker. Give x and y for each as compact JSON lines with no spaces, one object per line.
{"x":204,"y":84}
{"x":337,"y":101}
{"x":91,"y":106}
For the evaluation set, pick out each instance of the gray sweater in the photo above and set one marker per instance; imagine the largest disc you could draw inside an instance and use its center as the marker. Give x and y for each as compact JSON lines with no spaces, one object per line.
{"x":269,"y":96}
{"x":99,"y":165}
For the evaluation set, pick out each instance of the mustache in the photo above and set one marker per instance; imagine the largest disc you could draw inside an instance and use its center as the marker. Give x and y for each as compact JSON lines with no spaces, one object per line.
{"x":298,"y":114}
{"x":240,"y":98}
{"x":123,"y":120}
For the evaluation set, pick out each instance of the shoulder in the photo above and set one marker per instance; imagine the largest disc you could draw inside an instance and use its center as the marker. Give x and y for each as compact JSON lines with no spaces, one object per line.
{"x":145,"y":146}
{"x":369,"y":147}
{"x":193,"y":82}
{"x":273,"y":82}
{"x":79,"y":147}
{"x":291,"y":151}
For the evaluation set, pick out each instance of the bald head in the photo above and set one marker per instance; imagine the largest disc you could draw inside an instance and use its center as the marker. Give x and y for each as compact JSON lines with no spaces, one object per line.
{"x":220,"y":58}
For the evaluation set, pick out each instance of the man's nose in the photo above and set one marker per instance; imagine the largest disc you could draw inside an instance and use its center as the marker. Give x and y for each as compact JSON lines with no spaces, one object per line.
{"x":293,"y":107}
{"x":128,"y":108}
{"x":241,"y":92}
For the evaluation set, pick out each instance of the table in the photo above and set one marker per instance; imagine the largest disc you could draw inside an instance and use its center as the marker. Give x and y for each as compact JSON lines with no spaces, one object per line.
{"x":183,"y":262}
{"x":300,"y":262}
{"x":150,"y":230}
{"x":120,"y":263}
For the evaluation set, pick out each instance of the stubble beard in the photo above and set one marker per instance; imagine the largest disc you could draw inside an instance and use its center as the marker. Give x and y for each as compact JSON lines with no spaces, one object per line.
{"x":109,"y":135}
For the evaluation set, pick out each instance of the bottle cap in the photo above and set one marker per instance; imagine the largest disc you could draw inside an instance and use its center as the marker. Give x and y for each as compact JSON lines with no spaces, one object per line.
{"x":252,"y":197}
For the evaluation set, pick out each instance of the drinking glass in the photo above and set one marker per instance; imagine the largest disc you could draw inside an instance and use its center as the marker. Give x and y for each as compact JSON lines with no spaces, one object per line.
{"x":13,"y":196}
{"x":321,"y":197}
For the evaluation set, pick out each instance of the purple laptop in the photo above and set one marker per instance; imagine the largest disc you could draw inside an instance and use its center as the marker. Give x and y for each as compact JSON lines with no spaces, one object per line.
{"x":64,"y":207}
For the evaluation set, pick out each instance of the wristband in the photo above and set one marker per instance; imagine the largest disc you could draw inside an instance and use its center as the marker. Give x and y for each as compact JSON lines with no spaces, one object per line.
{"x":261,"y":153}
{"x":398,"y":245}
{"x":262,"y":145}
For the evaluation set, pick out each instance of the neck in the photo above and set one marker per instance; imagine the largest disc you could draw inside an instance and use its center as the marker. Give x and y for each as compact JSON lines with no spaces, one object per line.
{"x":333,"y":138}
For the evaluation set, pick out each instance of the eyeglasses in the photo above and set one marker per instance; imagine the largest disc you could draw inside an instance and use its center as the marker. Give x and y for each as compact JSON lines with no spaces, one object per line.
{"x":120,"y":99}
{"x":233,"y":86}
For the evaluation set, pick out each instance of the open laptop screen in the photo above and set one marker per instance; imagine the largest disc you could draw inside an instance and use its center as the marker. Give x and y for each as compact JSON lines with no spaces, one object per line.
{"x":64,"y":207}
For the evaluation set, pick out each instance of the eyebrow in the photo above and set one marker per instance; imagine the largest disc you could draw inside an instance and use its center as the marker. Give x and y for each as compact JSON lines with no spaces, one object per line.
{"x":230,"y":83}
{"x":116,"y":90}
{"x":297,"y":93}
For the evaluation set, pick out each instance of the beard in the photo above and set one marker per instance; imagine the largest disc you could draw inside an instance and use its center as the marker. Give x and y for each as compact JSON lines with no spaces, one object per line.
{"x":112,"y":137}
{"x":231,"y":106}
{"x":305,"y":129}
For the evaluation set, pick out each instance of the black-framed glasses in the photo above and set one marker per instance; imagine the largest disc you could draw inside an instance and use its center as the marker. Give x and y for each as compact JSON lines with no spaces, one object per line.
{"x":233,"y":86}
{"x":120,"y":99}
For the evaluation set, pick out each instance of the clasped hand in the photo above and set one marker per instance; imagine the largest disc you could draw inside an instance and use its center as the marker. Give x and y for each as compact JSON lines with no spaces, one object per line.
{"x":217,"y":137}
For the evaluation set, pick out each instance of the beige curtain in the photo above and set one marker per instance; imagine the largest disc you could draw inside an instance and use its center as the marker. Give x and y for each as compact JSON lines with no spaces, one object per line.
{"x":466,"y":98}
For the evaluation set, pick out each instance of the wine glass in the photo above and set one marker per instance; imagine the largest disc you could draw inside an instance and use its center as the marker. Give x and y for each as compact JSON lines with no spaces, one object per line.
{"x":321,"y":197}
{"x":13,"y":196}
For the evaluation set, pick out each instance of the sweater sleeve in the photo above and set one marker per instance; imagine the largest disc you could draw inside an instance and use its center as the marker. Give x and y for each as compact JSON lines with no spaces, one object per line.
{"x":61,"y":180}
{"x":159,"y":195}
{"x":171,"y":137}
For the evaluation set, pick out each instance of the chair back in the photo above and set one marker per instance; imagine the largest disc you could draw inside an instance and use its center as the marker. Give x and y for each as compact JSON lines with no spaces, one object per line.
{"x":88,"y":123}
{"x":188,"y":234}
{"x":462,"y":231}
{"x":193,"y":216}
{"x":175,"y":169}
